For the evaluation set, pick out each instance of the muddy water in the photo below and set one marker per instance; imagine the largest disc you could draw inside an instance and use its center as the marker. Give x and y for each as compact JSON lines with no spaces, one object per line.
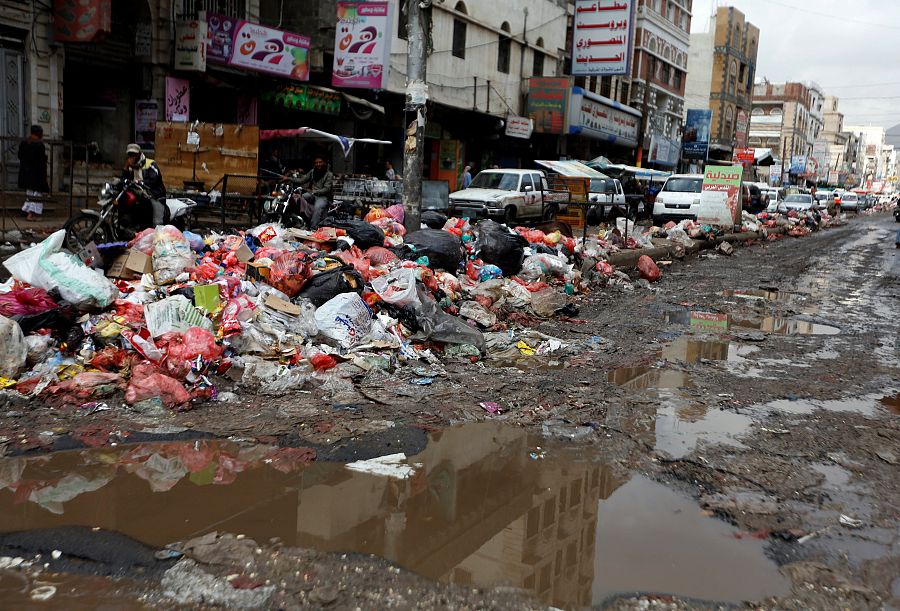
{"x":718,"y":322}
{"x":476,"y":509}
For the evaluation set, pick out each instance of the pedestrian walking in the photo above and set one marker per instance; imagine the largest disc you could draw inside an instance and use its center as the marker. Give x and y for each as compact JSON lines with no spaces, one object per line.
{"x":466,"y":179}
{"x":33,"y":172}
{"x":389,"y":172}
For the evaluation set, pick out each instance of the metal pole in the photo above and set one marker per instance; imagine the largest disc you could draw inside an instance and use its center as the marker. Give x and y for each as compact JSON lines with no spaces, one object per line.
{"x":416,"y":98}
{"x":644,"y":120}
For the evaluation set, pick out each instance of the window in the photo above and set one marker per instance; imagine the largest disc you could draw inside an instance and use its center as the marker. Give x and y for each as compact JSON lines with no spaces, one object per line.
{"x":461,"y":8}
{"x":538,"y":182}
{"x":459,"y":38}
{"x":743,"y":70}
{"x":526,"y":182}
{"x":537,"y":68}
{"x":623,"y":97}
{"x":606,"y":86}
{"x":503,"y":53}
{"x":729,"y":121}
{"x":190,"y":9}
{"x":732,"y":76}
{"x":666,"y":74}
{"x":678,"y":80}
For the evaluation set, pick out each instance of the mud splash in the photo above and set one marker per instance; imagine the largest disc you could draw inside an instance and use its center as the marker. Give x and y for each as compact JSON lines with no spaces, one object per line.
{"x":480,"y":506}
{"x":719,"y":322}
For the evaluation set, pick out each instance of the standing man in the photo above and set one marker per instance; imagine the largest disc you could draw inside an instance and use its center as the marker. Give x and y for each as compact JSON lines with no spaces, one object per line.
{"x":320,"y":182}
{"x":389,"y":172}
{"x":33,"y":172}
{"x":466,"y":179}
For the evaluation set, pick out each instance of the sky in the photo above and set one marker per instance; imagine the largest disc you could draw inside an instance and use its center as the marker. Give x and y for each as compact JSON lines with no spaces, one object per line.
{"x":851,"y":49}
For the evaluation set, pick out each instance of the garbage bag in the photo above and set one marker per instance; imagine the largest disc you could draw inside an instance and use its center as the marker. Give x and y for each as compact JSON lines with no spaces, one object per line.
{"x":536,"y":267}
{"x":326,"y":285}
{"x":289,"y":272}
{"x":38,"y":348}
{"x":22,"y":301}
{"x":193,"y":343}
{"x":397,"y":288}
{"x":379,"y":255}
{"x":443,"y":249}
{"x":497,"y":245}
{"x":437,"y":325}
{"x":434,"y":219}
{"x":148,"y":382}
{"x":46,"y":267}
{"x":13,"y":349}
{"x":648,"y":269}
{"x":364,"y":234}
{"x":172,"y":254}
{"x":345,"y":318}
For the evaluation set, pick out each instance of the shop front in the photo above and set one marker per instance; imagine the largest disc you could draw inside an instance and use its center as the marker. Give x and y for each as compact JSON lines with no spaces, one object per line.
{"x":600,"y":126}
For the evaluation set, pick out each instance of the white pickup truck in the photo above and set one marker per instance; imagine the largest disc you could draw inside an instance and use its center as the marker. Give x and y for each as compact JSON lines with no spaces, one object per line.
{"x":606,"y":194}
{"x":508,"y":196}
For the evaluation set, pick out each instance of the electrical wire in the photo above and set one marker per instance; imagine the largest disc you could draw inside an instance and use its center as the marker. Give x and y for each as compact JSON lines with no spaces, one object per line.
{"x":842,"y":18}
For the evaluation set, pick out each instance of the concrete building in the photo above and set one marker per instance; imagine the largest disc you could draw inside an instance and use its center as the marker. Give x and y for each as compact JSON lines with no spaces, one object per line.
{"x":781,"y":120}
{"x":870,"y":166}
{"x":720,"y":73}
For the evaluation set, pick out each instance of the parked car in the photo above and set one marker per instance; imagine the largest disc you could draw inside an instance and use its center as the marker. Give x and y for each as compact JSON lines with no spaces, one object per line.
{"x":801,"y":202}
{"x":773,"y":196}
{"x":606,"y":194}
{"x":678,"y":199}
{"x":849,"y":202}
{"x":508,"y":196}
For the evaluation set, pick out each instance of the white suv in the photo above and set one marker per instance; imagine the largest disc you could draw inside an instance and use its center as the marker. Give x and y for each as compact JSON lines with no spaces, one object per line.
{"x":678,"y":199}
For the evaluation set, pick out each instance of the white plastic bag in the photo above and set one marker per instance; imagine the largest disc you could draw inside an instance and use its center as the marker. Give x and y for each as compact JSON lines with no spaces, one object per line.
{"x":44,"y":266}
{"x":345,"y":318}
{"x":172,"y":254}
{"x":13,"y":349}
{"x":398,"y":287}
{"x":536,"y":267}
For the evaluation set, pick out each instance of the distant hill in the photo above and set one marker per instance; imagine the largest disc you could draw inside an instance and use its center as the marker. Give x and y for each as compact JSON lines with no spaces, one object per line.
{"x":892,"y":136}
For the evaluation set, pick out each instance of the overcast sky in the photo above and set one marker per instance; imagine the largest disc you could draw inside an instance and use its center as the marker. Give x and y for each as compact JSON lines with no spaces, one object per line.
{"x":851,"y":49}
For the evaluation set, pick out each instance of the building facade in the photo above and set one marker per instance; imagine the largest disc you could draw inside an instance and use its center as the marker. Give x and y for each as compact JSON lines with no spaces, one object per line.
{"x":781,"y":120}
{"x":721,"y":69}
{"x":870,"y":163}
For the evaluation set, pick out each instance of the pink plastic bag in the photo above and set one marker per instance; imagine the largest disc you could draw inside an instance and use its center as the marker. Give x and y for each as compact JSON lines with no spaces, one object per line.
{"x":183,"y":349}
{"x":21,"y":301}
{"x":144,"y":241}
{"x":380,"y":255}
{"x":147,"y":382}
{"x":397,"y":212}
{"x":648,"y":269}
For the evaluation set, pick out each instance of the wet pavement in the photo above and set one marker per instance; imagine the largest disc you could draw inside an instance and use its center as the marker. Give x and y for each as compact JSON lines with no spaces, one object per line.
{"x":719,"y":322}
{"x":474,"y":508}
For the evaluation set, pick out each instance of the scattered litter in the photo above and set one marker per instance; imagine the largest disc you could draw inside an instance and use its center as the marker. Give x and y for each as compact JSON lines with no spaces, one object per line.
{"x":849,"y":522}
{"x":392,"y":465}
{"x":491,"y":407}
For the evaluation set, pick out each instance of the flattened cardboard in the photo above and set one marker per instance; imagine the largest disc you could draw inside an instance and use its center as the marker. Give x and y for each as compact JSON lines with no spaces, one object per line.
{"x":244,"y":254}
{"x":280,"y":305}
{"x":132,"y":264}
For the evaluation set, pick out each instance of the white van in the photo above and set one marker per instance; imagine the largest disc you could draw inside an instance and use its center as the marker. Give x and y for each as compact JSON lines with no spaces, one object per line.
{"x":678,"y":199}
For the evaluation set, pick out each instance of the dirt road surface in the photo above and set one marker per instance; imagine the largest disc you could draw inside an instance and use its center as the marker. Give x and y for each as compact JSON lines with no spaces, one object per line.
{"x":730,"y":435}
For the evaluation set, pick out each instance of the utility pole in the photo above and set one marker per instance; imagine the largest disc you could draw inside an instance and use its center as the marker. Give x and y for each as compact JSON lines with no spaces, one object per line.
{"x":416,"y":97}
{"x":645,"y":119}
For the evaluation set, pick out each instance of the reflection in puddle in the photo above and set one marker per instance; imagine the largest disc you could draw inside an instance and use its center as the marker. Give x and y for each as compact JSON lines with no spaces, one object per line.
{"x":867,"y":405}
{"x":689,"y":350}
{"x":678,"y":430}
{"x":836,"y":477}
{"x":641,"y":378}
{"x":715,"y":321}
{"x":760,"y":294}
{"x":891,"y":403}
{"x":650,"y":539}
{"x":477,"y":511}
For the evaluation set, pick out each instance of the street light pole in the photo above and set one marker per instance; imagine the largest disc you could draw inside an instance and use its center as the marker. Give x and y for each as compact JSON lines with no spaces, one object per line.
{"x":416,"y":98}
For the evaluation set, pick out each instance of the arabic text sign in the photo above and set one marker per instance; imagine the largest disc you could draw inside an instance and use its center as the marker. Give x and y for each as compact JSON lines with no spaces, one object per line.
{"x":745,"y":155}
{"x":519,"y":127}
{"x":256,"y":47}
{"x":602,"y":121}
{"x":740,"y":131}
{"x":601,"y":38}
{"x":720,"y":199}
{"x":178,"y":99}
{"x":695,"y":142}
{"x":190,"y":45}
{"x":362,"y":45}
{"x":548,"y":99}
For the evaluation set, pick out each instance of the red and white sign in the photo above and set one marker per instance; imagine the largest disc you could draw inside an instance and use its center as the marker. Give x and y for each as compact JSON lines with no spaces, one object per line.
{"x":519,"y":127}
{"x":256,"y":47}
{"x":602,"y":37}
{"x":362,"y":45}
{"x":745,"y":156}
{"x":740,"y":133}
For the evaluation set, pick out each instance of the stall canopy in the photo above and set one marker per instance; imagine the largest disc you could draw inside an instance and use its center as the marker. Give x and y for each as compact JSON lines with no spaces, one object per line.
{"x":571,"y":169}
{"x":763,"y":157}
{"x":315,"y":135}
{"x":618,"y":169}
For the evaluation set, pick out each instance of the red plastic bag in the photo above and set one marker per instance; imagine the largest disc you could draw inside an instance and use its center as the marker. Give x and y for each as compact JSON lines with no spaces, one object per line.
{"x":375,"y":214}
{"x":132,"y":312}
{"x":22,"y":301}
{"x":147,"y":382}
{"x":289,"y":272}
{"x":648,"y":269}
{"x":143,"y":241}
{"x":183,"y":349}
{"x":379,"y":255}
{"x":323,"y":362}
{"x":85,"y":385}
{"x":605,"y":269}
{"x":110,"y":358}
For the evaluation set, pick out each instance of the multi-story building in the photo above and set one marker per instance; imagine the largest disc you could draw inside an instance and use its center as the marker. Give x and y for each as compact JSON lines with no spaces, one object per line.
{"x":841,"y":144}
{"x":720,"y":72}
{"x":781,"y":120}
{"x":870,"y":166}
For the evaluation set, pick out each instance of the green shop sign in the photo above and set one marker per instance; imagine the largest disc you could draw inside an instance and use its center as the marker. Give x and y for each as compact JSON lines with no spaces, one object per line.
{"x":305,"y":97}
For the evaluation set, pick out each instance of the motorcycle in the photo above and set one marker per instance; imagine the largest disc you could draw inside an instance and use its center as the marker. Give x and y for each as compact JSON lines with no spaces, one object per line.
{"x":124,"y":209}
{"x":287,"y":206}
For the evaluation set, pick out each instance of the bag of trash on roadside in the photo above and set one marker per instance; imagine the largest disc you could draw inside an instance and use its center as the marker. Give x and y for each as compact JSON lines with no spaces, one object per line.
{"x":46,"y":267}
{"x":290,"y":272}
{"x":326,"y":285}
{"x":497,"y":245}
{"x":397,"y":288}
{"x":648,"y":269}
{"x":172,"y":254}
{"x":540,"y":266}
{"x":13,"y":349}
{"x":345,"y":318}
{"x":433,"y":219}
{"x":25,"y":302}
{"x":437,"y":325}
{"x":364,"y":234}
{"x":148,"y":382}
{"x":443,"y":249}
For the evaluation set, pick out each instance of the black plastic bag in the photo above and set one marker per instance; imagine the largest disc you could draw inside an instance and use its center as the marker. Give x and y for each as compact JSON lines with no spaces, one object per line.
{"x":322,"y":287}
{"x":497,"y":245}
{"x":434,"y":219}
{"x":364,"y":234}
{"x":443,"y":249}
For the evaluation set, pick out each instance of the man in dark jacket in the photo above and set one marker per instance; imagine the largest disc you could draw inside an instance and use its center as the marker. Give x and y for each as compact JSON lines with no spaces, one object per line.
{"x":320,"y":182}
{"x":141,"y":169}
{"x":33,"y":172}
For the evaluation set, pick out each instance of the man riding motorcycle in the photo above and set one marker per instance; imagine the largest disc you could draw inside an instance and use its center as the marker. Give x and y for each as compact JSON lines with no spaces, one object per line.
{"x":141,"y":169}
{"x":320,"y":182}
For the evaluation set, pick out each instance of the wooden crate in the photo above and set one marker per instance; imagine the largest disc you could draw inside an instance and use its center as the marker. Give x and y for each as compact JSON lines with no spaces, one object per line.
{"x":235,"y":151}
{"x":578,"y":188}
{"x":574,"y":216}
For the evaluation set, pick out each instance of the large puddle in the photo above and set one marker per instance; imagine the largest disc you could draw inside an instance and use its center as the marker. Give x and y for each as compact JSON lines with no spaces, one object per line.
{"x":475,"y":508}
{"x":718,"y":322}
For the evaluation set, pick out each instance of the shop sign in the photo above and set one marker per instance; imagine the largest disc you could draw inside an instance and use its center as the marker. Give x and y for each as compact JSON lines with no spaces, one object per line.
{"x":548,"y":99}
{"x":744,"y":156}
{"x":362,"y":45}
{"x":798,"y":164}
{"x":81,"y":20}
{"x":740,"y":134}
{"x":602,"y":37}
{"x":255,"y":47}
{"x":664,"y":151}
{"x":190,"y":46}
{"x":720,"y":197}
{"x":305,"y":97}
{"x":146,"y":113}
{"x":604,"y":121}
{"x":178,"y":100}
{"x":695,"y":142}
{"x":519,"y":127}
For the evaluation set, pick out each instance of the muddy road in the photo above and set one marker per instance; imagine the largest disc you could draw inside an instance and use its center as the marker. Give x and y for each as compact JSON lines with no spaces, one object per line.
{"x":730,"y":435}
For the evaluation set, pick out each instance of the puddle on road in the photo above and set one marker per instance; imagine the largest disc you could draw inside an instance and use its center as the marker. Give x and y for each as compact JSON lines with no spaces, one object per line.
{"x":476,"y":510}
{"x":891,"y":403}
{"x":642,"y":378}
{"x":715,"y":321}
{"x":760,"y":294}
{"x":867,"y":405}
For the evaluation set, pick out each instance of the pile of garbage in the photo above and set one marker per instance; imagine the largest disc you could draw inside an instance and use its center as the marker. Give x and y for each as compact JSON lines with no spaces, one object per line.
{"x":174,"y":318}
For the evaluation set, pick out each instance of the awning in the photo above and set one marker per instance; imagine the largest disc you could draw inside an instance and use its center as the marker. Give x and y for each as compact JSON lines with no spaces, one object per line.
{"x":571,"y":169}
{"x":355,"y":100}
{"x":763,"y":157}
{"x":315,"y":135}
{"x":618,"y":169}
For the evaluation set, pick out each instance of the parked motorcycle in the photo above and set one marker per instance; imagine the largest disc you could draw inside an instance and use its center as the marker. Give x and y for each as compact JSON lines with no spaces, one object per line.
{"x":287,"y":206}
{"x":124,"y":211}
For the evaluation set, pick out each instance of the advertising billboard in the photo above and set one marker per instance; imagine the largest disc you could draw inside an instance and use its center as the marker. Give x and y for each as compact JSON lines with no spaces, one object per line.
{"x":602,"y":37}
{"x":695,"y":142}
{"x":255,"y":47}
{"x":720,"y":198}
{"x":362,"y":45}
{"x":548,"y":101}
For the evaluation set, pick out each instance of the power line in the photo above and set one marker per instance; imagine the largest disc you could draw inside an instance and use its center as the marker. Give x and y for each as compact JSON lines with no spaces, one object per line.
{"x":842,"y":18}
